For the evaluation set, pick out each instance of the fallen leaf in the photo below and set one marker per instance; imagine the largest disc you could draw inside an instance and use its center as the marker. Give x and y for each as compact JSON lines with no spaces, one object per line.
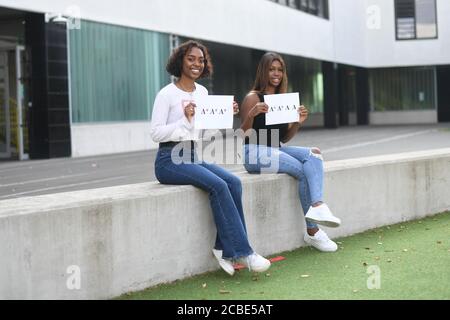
{"x":224,"y":291}
{"x":377,"y":258}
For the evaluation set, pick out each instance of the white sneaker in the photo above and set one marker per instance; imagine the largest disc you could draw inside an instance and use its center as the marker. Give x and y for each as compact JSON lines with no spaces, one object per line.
{"x":226,"y":265}
{"x":321,"y":241}
{"x":322,"y":215}
{"x":255,"y":262}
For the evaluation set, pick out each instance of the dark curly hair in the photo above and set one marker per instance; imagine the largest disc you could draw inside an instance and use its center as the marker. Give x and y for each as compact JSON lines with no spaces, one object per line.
{"x":175,"y":64}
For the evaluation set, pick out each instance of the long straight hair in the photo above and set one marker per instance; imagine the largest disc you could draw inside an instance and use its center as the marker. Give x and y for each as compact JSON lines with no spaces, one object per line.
{"x":262,"y":73}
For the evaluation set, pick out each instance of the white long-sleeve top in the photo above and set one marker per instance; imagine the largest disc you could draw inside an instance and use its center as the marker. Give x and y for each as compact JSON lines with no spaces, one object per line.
{"x":168,"y":120}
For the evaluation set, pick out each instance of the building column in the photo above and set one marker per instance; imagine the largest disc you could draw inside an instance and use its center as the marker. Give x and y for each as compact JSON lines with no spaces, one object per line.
{"x":331,"y":94}
{"x":49,"y":127}
{"x":362,"y":96}
{"x":443,"y":93}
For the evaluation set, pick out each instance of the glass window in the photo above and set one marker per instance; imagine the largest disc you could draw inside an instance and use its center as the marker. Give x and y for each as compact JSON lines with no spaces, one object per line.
{"x":303,"y":5}
{"x":316,"y":7}
{"x":395,"y":89}
{"x":426,"y":19}
{"x":116,"y":72}
{"x":312,"y":6}
{"x":416,"y":19}
{"x":235,"y":70}
{"x":305,"y":76}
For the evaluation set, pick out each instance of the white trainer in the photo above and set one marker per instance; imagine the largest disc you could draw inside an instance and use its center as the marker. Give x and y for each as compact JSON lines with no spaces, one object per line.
{"x":255,"y":262}
{"x":321,"y":242}
{"x":226,"y":265}
{"x":322,"y":215}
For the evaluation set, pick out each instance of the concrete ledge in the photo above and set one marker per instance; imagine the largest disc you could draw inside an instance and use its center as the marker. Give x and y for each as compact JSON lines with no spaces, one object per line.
{"x":131,"y":237}
{"x":403,"y":117}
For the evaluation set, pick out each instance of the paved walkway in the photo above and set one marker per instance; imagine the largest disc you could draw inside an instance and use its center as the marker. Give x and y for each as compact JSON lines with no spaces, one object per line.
{"x":36,"y":177}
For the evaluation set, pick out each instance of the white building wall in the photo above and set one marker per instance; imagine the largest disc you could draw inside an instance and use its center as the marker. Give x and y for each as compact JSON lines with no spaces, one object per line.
{"x":348,"y":18}
{"x":107,"y":138}
{"x":258,"y":24}
{"x":351,"y":36}
{"x":383,"y":50}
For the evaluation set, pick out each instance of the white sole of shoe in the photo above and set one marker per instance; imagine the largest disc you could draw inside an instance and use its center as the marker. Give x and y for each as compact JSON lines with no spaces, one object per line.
{"x":321,"y":249}
{"x":259,"y":270}
{"x":224,"y":267}
{"x":331,"y":224}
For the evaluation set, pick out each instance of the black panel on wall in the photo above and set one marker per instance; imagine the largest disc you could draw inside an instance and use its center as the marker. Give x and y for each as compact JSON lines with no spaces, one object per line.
{"x":343,"y":107}
{"x":362,"y":96}
{"x":49,"y":127}
{"x":331,"y":96}
{"x":443,"y":85}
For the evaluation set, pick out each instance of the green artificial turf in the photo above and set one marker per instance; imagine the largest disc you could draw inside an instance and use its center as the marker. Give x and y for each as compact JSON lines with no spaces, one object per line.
{"x":413,"y":259}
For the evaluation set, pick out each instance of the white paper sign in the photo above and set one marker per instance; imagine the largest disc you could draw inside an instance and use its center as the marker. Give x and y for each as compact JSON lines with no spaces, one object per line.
{"x":214,"y":112}
{"x":282,"y":108}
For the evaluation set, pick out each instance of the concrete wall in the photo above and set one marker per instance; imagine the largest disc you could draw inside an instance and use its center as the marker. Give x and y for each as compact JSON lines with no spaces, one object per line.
{"x":131,"y":237}
{"x":403,"y":117}
{"x":107,"y":138}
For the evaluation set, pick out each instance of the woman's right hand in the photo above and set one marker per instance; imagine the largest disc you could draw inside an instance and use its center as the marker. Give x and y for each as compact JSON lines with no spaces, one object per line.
{"x":189,"y":111}
{"x":260,"y":107}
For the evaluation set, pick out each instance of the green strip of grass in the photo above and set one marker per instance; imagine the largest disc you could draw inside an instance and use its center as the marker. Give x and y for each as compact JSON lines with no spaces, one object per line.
{"x":413,"y":259}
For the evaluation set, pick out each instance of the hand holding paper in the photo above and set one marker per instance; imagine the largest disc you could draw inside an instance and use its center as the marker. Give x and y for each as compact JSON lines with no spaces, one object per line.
{"x":302,"y":114}
{"x":283,"y":108}
{"x":214,"y":112}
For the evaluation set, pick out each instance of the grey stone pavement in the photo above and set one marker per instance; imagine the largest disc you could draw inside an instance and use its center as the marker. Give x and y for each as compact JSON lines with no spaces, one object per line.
{"x":37,"y":177}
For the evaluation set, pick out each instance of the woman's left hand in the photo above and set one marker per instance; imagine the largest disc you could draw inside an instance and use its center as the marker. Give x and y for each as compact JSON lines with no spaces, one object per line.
{"x":235,"y":108}
{"x":302,"y":114}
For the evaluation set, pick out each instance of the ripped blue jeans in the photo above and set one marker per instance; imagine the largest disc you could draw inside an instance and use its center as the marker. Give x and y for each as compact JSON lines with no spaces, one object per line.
{"x":299,"y":162}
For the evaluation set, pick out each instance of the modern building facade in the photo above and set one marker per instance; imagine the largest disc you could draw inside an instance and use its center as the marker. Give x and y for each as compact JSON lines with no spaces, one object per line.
{"x":79,"y":77}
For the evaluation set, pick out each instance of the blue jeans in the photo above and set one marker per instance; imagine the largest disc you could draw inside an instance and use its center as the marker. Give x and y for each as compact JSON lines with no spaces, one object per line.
{"x":298,"y":162}
{"x":225,"y":196}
